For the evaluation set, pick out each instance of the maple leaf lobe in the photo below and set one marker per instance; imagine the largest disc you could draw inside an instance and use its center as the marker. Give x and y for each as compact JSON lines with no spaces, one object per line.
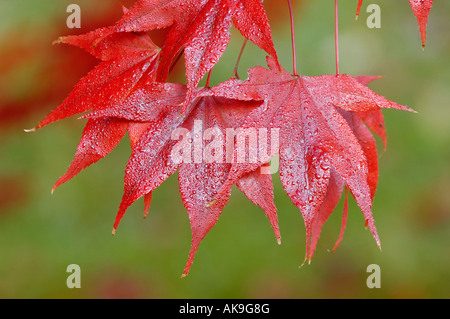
{"x":421,"y":9}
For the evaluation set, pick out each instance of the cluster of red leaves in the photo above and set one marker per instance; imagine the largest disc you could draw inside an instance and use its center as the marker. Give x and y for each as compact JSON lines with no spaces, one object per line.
{"x":325,"y":145}
{"x":421,"y":9}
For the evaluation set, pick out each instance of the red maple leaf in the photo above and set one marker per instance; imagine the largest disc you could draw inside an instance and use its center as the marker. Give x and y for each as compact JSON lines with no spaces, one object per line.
{"x":200,"y":179}
{"x":317,"y":141}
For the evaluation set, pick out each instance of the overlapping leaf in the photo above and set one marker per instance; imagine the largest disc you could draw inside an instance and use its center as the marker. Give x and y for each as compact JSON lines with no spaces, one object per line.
{"x":199,"y":26}
{"x":314,"y":135}
{"x":203,"y":169}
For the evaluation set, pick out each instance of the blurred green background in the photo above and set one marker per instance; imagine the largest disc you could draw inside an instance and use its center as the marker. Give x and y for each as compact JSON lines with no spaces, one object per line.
{"x":41,"y":234}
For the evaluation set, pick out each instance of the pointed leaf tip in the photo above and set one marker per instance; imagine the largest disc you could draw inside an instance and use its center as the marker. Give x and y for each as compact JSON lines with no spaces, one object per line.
{"x":124,"y":9}
{"x":358,"y":9}
{"x":344,"y":221}
{"x":58,"y":41}
{"x":304,"y":260}
{"x":147,"y":204}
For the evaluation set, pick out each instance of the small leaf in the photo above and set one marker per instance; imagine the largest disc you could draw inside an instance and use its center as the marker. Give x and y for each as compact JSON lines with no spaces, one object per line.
{"x":421,"y":9}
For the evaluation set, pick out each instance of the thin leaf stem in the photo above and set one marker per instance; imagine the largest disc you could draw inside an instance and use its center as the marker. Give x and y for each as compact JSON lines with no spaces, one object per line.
{"x":294,"y":54}
{"x":336,"y":34}
{"x":235,"y":71}
{"x":208,"y":79}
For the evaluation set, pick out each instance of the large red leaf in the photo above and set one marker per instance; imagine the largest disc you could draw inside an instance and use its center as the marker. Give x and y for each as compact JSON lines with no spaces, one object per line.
{"x":314,"y":136}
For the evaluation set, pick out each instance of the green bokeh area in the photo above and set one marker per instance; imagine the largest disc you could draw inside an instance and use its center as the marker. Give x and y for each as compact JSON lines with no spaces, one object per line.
{"x":41,"y":234}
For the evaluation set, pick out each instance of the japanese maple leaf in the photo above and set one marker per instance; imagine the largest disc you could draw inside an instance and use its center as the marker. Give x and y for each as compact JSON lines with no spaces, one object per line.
{"x":160,"y":106}
{"x":127,"y":58}
{"x":421,"y":9}
{"x":317,"y":143}
{"x":199,"y":26}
